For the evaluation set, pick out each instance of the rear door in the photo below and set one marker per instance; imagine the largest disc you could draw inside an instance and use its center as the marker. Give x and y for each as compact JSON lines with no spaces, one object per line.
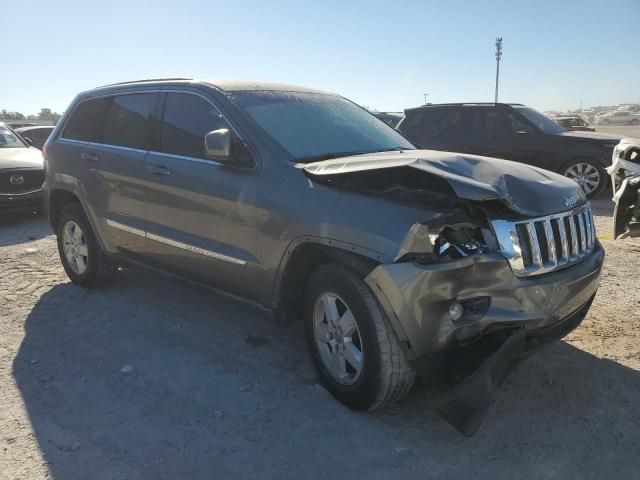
{"x":110,"y":167}
{"x":201,"y":214}
{"x":451,"y":128}
{"x":514,"y":138}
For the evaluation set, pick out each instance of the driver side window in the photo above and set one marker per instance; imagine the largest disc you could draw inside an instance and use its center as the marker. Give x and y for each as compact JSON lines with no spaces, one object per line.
{"x":187,"y":119}
{"x":516,"y":125}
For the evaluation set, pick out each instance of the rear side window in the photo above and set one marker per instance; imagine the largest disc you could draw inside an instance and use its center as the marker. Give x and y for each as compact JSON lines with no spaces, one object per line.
{"x":187,"y":119}
{"x":462,"y":120}
{"x":127,"y":122}
{"x":87,"y":120}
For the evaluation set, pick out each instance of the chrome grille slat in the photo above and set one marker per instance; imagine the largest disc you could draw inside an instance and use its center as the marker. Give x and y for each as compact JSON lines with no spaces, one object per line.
{"x":583,"y":235}
{"x":535,"y":244}
{"x":552,"y":245}
{"x":563,"y":241}
{"x":574,"y":239}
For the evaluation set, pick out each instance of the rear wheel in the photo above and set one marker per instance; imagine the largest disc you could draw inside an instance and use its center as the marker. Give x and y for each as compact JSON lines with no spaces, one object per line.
{"x":81,"y":255}
{"x":355,"y":350}
{"x":588,"y":174}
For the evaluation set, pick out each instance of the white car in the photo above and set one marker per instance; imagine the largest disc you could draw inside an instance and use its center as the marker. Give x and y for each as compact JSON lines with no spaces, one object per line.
{"x":621,"y":117}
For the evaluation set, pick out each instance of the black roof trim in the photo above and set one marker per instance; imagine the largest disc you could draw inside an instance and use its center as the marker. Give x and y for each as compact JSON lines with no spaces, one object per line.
{"x":464,"y":104}
{"x":147,"y":80}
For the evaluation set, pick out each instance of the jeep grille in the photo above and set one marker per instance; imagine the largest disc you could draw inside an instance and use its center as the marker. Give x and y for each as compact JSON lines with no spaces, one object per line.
{"x":544,"y":244}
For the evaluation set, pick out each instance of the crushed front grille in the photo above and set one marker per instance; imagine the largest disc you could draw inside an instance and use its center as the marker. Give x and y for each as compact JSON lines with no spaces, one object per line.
{"x":544,"y":244}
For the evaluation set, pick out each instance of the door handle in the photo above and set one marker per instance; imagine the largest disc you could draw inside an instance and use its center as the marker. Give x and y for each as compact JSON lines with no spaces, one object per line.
{"x":158,"y":170}
{"x":90,"y":157}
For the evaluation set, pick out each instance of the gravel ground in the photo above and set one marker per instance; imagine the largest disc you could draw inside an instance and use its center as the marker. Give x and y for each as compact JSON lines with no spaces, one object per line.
{"x":152,"y":378}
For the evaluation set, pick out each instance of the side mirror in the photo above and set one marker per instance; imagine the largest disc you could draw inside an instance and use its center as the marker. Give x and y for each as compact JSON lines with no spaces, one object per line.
{"x":217,"y":145}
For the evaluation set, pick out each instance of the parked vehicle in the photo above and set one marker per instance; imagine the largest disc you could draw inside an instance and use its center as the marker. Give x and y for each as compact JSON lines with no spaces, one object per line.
{"x":36,"y":136}
{"x":21,"y":172}
{"x":619,"y":117}
{"x":625,"y":177}
{"x":398,"y":261}
{"x":573,"y":123}
{"x":514,"y":132}
{"x":390,"y":118}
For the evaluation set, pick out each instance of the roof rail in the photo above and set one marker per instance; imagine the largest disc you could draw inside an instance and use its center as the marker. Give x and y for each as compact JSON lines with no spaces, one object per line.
{"x":162,"y":79}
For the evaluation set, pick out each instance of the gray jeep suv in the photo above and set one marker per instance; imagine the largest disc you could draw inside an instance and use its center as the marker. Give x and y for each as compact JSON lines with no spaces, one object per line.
{"x":398,"y":261}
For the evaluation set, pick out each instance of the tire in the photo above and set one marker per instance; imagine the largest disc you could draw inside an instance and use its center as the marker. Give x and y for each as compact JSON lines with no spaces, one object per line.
{"x":96,"y":268}
{"x":576,"y":167}
{"x":635,"y":121}
{"x":385,"y":375}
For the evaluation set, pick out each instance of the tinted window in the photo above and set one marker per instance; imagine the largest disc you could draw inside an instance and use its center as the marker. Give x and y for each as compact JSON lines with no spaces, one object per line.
{"x":86,"y":120}
{"x":494,"y":123}
{"x":41,"y":133}
{"x":187,"y":119}
{"x":462,"y":120}
{"x":127,"y":123}
{"x":541,"y":121}
{"x":516,"y":125}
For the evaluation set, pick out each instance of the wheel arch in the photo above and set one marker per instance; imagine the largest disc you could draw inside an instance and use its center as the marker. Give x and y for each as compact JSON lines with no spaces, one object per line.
{"x":59,"y":197}
{"x":303,"y":256}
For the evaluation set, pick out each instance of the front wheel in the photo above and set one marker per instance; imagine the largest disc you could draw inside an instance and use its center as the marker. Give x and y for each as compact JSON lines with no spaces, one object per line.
{"x":588,"y":174}
{"x":355,"y":350}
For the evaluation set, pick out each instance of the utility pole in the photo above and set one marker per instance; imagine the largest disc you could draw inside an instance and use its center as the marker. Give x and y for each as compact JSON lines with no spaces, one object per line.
{"x":425,"y":98}
{"x":498,"y":57}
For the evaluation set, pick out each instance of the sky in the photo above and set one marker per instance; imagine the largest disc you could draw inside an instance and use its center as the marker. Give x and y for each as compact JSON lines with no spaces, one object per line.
{"x":381,"y":54}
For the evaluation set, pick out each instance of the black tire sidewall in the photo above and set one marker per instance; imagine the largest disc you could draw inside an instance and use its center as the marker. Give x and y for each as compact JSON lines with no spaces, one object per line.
{"x":332,"y":278}
{"x":601,"y":171}
{"x":75,"y":213}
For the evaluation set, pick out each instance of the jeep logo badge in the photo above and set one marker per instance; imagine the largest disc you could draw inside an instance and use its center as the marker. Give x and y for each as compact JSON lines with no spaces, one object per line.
{"x":570,"y":201}
{"x":16,"y":179}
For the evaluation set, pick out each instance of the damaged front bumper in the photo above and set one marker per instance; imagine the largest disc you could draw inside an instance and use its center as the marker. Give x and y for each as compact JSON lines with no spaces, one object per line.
{"x":472,"y":355}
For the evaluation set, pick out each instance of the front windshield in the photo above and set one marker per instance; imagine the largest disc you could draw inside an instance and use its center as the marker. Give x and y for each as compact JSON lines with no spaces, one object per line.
{"x":541,"y":121}
{"x":8,"y":139}
{"x":315,"y":126}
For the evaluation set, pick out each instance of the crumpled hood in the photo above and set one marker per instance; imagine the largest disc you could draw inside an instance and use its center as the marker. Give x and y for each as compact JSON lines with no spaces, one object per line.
{"x":527,"y":190}
{"x":20,"y":158}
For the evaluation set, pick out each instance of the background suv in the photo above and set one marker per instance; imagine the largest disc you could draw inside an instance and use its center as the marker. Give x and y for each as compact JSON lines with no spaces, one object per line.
{"x":398,"y":261}
{"x":514,"y":132}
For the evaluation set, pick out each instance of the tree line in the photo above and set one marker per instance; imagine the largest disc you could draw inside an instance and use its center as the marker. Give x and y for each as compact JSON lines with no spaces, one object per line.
{"x":45,"y":114}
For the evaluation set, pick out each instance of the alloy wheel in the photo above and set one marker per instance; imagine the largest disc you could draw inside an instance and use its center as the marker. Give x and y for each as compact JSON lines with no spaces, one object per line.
{"x":586,"y":175}
{"x":337,"y":338}
{"x":75,"y":247}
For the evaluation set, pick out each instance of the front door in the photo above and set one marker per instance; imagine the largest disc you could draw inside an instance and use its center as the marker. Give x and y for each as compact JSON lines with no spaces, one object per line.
{"x":200,"y":213}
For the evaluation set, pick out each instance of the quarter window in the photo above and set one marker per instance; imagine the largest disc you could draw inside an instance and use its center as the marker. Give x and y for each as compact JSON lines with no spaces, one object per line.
{"x":187,"y":119}
{"x":87,"y":120}
{"x":127,"y":123}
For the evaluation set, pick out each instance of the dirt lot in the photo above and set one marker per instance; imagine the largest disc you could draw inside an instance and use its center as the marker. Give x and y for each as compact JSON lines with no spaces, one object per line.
{"x":153,"y":378}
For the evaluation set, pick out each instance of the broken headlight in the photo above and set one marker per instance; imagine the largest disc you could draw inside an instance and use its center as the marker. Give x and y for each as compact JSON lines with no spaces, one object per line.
{"x":429,"y":244}
{"x":458,"y":243}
